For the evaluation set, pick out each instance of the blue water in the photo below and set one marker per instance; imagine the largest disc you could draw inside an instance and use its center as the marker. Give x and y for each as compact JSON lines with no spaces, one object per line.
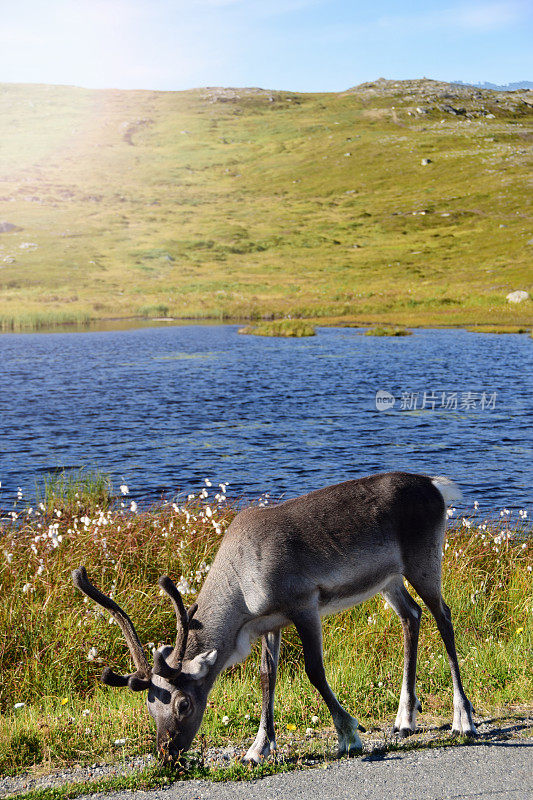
{"x":164,"y":408}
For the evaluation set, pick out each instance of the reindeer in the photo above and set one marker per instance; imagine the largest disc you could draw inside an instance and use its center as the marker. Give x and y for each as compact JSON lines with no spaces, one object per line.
{"x":293,"y":563}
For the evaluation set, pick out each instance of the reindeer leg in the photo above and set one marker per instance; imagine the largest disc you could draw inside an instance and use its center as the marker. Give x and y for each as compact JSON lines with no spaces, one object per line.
{"x":307,"y":623}
{"x":409,"y":613}
{"x":463,"y":709}
{"x":431,"y":595}
{"x":265,"y":741}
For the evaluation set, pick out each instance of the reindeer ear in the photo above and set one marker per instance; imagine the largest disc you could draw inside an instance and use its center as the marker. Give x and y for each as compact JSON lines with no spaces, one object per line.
{"x":198,"y":667}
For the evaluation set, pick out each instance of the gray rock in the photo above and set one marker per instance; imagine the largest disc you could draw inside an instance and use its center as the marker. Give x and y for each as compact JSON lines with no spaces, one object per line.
{"x":517,"y":297}
{"x":451,"y":110}
{"x":7,"y":227}
{"x":426,"y":161}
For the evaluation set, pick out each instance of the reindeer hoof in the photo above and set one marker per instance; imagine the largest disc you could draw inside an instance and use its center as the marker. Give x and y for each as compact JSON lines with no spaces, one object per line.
{"x":463,"y":724}
{"x":403,"y":733}
{"x":469,"y":734}
{"x":257,"y":754}
{"x":349,"y":742}
{"x":253,"y":758}
{"x":351,"y":752}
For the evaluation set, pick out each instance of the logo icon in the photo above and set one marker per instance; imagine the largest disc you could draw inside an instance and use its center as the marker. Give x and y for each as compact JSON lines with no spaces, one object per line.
{"x":384,"y":400}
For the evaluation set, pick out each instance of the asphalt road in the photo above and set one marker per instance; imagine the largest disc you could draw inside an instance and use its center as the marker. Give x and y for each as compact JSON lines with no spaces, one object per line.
{"x":494,"y":770}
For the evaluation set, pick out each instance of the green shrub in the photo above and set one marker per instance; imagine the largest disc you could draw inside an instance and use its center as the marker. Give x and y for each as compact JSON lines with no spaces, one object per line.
{"x":282,"y":327}
{"x":387,"y":332}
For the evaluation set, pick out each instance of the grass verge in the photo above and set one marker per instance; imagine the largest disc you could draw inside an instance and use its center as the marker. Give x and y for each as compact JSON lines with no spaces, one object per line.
{"x":53,"y":644}
{"x":158,"y":776}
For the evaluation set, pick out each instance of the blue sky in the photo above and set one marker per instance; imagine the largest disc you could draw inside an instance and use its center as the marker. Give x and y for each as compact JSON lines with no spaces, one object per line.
{"x":303,"y":45}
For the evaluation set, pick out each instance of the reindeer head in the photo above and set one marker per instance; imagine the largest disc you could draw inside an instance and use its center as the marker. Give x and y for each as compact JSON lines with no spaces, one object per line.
{"x":177,"y":691}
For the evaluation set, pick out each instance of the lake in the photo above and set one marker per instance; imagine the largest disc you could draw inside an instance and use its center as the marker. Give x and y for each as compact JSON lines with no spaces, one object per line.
{"x":163,"y":408}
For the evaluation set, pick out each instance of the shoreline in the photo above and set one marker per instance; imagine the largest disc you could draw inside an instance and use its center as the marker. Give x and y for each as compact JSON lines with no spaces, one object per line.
{"x":136,"y":322}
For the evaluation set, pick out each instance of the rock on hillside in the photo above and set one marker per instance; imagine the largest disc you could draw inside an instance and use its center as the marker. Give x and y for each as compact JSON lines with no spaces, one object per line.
{"x":7,"y":227}
{"x":424,"y":95}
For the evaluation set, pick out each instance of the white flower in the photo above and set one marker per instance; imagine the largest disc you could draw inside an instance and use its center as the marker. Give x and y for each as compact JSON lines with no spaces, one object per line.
{"x":225,"y":720}
{"x":246,"y":717}
{"x":85,"y":712}
{"x":124,"y":489}
{"x":91,"y":655}
{"x":208,"y":511}
{"x":27,"y":588}
{"x":466,"y":522}
{"x":208,"y":482}
{"x":184,"y":586}
{"x":120,"y":741}
{"x":309,"y":731}
{"x":314,"y":719}
{"x":133,"y":506}
{"x":19,"y":705}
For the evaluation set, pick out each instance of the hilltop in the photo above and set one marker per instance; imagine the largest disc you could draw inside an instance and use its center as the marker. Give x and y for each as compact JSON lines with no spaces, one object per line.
{"x":400,"y":202}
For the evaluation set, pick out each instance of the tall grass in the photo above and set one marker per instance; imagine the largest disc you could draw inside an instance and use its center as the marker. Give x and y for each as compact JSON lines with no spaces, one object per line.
{"x":283,"y":327}
{"x":54,"y":643}
{"x":378,"y":331}
{"x":74,"y":492}
{"x":39,"y":320}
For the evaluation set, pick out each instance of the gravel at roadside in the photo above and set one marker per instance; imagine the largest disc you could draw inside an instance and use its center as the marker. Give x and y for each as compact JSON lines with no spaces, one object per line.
{"x":517,"y":727}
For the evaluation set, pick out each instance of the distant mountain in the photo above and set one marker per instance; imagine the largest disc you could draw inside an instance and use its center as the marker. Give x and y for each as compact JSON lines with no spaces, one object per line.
{"x":508,"y":87}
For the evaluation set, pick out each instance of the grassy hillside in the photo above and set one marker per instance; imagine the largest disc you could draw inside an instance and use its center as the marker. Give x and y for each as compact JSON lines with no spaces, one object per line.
{"x":221,"y":203}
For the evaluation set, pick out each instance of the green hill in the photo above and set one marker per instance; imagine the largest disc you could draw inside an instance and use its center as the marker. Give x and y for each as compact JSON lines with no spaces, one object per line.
{"x":245,"y":203}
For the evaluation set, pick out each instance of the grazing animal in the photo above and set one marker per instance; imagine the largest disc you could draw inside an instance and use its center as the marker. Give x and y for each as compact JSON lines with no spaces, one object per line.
{"x":293,"y":563}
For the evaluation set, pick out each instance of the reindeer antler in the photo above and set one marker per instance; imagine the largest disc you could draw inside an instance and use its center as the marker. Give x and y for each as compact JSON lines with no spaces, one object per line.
{"x":139,"y":680}
{"x":183,"y":619}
